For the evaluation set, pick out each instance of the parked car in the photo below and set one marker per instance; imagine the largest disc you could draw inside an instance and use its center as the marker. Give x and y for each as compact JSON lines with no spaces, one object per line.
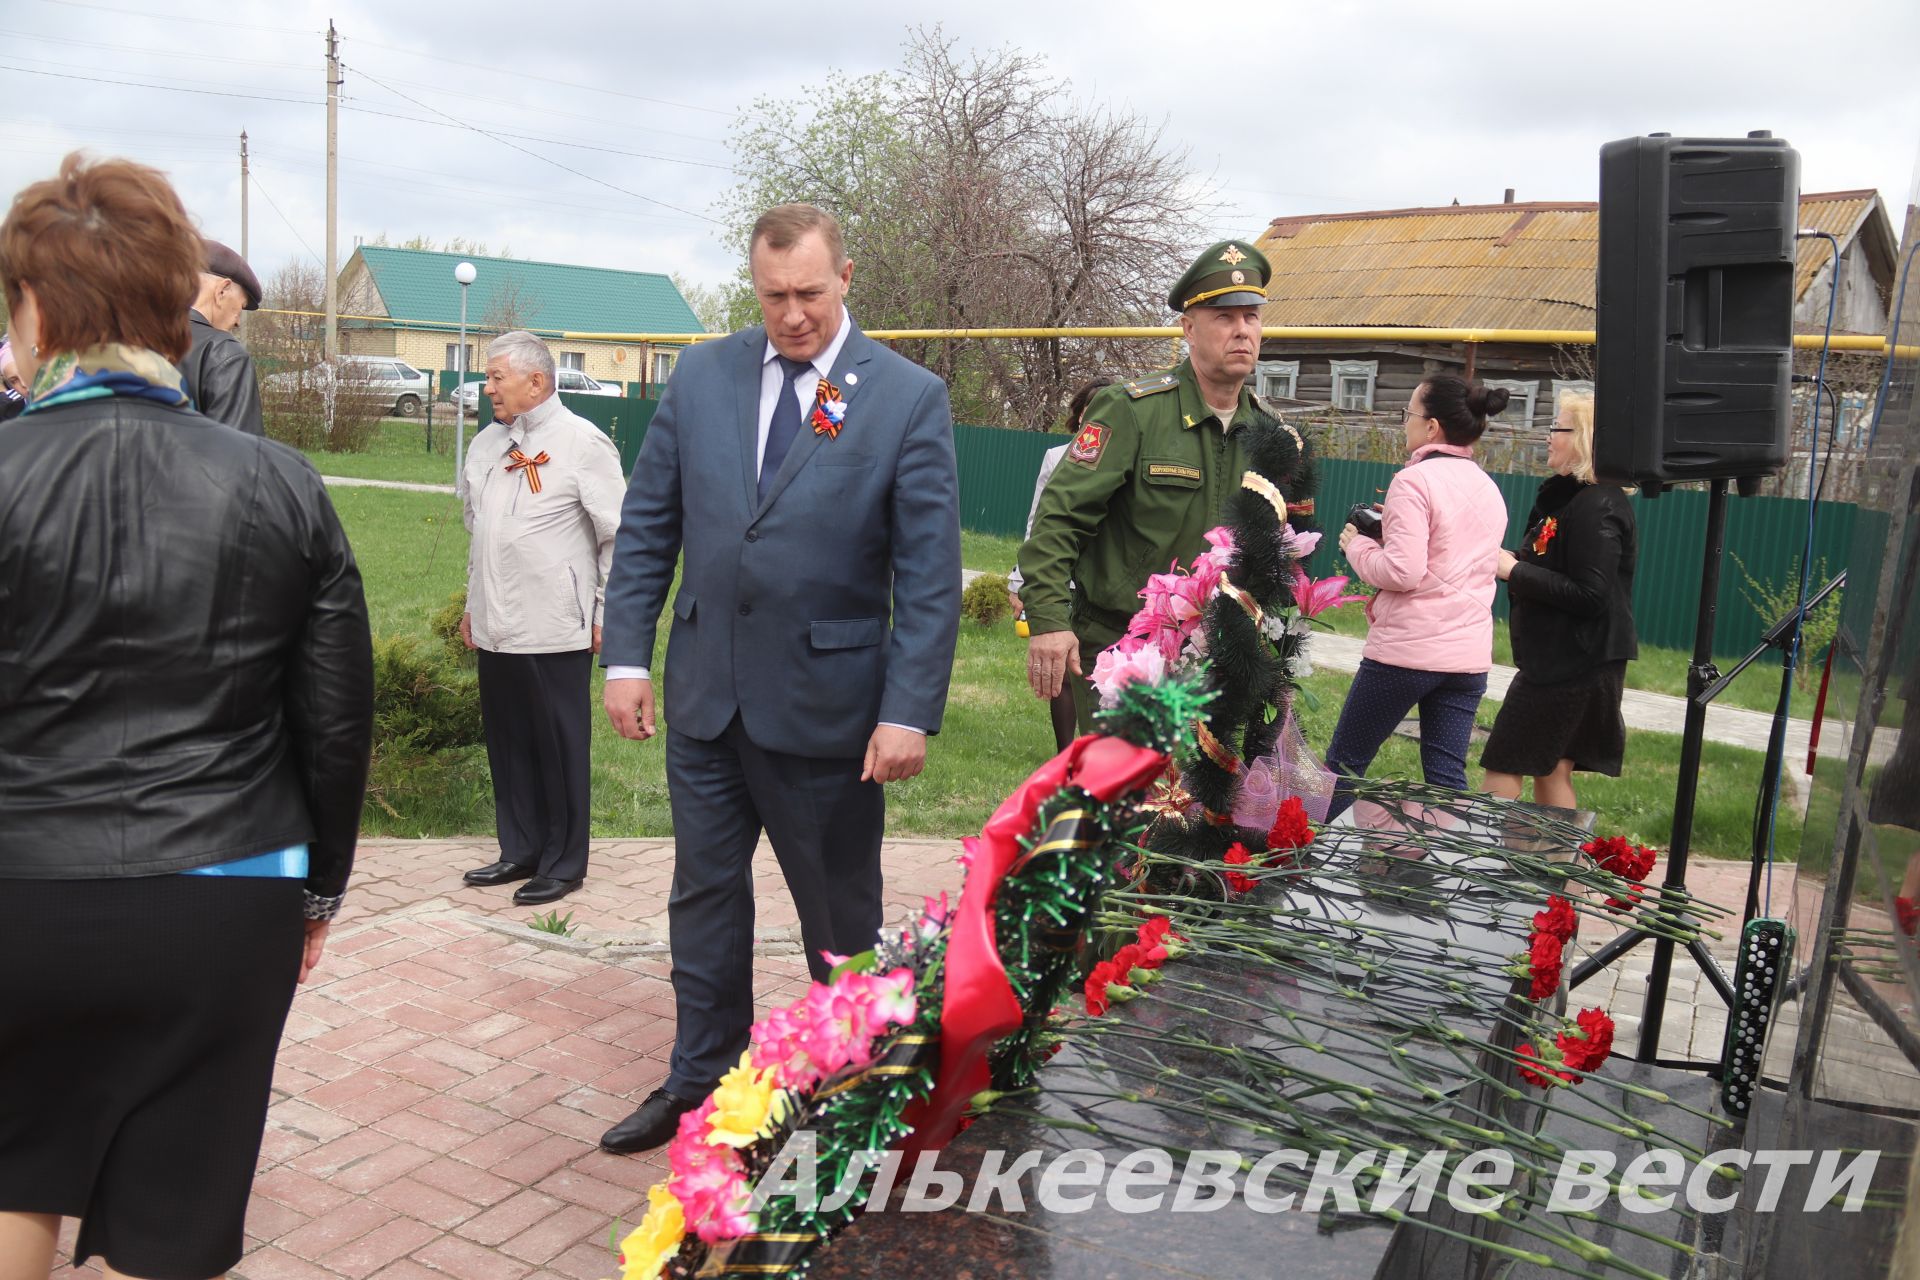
{"x":394,"y":385}
{"x":572,"y":381}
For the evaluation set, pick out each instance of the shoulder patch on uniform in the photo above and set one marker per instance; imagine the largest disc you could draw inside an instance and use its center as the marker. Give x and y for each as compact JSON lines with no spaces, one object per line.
{"x":1088,"y":445}
{"x":1151,"y":385}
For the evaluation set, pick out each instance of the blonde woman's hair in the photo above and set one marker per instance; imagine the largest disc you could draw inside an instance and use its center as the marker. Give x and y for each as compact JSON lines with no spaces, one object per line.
{"x":1576,"y":407}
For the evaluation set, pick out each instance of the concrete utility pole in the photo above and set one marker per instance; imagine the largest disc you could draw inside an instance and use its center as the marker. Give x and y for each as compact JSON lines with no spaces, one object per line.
{"x":333,"y":190}
{"x":245,"y":319}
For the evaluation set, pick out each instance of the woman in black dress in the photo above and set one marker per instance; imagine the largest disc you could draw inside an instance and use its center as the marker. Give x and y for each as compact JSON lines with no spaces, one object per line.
{"x":1571,"y":591}
{"x":185,"y":710}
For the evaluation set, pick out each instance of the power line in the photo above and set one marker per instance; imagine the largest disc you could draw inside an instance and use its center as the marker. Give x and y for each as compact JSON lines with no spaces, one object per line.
{"x":150,"y":51}
{"x":599,"y":118}
{"x":171,"y":88}
{"x":412,"y":180}
{"x":535,"y":154}
{"x":254,"y":176}
{"x":168,"y":17}
{"x":17,"y":123}
{"x":95,"y":67}
{"x":454,"y":123}
{"x":522,"y":75}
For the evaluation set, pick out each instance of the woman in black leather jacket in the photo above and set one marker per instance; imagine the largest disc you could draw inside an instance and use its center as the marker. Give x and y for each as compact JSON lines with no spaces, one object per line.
{"x":185,"y":715}
{"x":1571,"y":591}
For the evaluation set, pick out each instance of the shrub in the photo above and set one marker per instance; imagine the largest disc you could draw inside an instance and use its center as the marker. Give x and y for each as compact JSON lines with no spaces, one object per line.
{"x":445,"y":623}
{"x":1775,"y":599}
{"x":426,"y":723}
{"x":423,"y":701}
{"x":985,"y":599}
{"x":321,"y":406}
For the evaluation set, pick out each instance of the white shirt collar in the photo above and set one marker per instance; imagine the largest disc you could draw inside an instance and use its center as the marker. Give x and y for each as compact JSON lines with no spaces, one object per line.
{"x":824,"y":362}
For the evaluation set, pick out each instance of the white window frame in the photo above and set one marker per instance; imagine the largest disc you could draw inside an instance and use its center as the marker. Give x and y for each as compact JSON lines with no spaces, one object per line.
{"x":453,"y":356}
{"x":1368,"y":369}
{"x":574,"y":360}
{"x":1288,"y":369}
{"x":662,"y":367}
{"x":1561,"y":386}
{"x":1523,"y":394}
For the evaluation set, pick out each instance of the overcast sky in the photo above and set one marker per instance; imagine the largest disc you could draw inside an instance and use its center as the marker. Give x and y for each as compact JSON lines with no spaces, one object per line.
{"x":1283,"y":108}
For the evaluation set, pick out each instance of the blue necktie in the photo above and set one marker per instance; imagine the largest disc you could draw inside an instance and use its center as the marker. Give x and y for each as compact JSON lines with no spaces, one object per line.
{"x":785,"y":425}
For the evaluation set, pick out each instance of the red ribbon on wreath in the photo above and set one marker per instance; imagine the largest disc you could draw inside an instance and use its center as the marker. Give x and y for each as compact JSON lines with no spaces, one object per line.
{"x":978,"y":1006}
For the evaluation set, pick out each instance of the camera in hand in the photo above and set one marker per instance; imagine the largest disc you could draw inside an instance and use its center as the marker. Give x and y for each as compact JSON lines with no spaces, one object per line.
{"x":1365,"y":519}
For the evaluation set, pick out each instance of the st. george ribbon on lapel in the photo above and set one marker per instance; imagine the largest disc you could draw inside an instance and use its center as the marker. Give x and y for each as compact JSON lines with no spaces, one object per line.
{"x":855,"y":352}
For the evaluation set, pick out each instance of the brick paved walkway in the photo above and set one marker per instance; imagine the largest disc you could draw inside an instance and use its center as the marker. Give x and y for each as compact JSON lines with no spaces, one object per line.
{"x":444,"y":1080}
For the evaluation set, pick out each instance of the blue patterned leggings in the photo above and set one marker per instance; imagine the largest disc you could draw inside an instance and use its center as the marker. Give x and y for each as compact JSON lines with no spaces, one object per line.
{"x":1379,"y":699}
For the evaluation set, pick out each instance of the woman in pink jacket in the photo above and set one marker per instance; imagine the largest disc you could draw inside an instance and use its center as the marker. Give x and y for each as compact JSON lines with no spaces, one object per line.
{"x":1430,"y":642}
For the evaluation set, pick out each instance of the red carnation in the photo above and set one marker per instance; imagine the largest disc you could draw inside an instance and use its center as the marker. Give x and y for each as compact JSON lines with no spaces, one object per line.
{"x":1290,"y":829}
{"x":1543,"y":963}
{"x":1160,"y":942}
{"x":1544,"y":1080}
{"x":1632,"y":900}
{"x":1588,"y":1050}
{"x":1620,"y":856}
{"x":1604,"y":851}
{"x":1127,"y":959}
{"x":1096,"y":991}
{"x":1558,"y":919}
{"x":1153,"y":953}
{"x":1909,"y":915}
{"x":1159,"y":929}
{"x":1637,"y":863}
{"x":1238,"y":856}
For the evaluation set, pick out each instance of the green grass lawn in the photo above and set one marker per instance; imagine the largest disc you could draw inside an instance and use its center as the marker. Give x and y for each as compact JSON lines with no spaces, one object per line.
{"x":412,"y":553}
{"x":399,"y":451}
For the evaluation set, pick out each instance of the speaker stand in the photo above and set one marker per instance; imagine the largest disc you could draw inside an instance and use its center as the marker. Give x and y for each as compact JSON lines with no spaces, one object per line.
{"x":1700,"y":674}
{"x":1781,"y":636}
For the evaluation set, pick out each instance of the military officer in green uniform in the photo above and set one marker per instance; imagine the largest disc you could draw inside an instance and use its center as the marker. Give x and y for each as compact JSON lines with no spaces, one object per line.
{"x":1146,"y":477}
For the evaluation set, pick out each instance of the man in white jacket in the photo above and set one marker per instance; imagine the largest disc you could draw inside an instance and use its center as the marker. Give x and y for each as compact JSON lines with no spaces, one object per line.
{"x":541,"y":493}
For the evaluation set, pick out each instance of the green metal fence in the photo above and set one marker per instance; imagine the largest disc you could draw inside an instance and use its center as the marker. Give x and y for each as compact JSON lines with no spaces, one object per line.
{"x":450,"y":378}
{"x":624,"y":419}
{"x":1765,"y":534}
{"x":997,"y":471}
{"x":998,"y":467}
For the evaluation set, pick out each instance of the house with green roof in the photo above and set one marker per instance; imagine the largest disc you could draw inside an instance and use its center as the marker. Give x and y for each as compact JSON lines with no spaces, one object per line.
{"x":406,"y":303}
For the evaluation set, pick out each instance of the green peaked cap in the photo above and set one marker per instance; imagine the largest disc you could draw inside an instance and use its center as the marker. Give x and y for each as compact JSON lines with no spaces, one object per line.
{"x":1230,"y":274}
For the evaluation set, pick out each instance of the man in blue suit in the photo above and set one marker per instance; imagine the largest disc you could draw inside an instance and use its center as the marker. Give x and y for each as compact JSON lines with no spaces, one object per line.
{"x":808,"y":475}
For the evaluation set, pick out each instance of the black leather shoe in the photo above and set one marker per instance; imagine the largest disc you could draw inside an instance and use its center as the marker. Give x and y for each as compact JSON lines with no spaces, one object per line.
{"x":543,"y":889}
{"x":493,"y":873}
{"x":653,"y":1125}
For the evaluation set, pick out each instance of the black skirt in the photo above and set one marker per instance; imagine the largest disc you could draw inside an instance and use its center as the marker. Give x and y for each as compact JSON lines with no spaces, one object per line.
{"x":139,"y":1019}
{"x":1540,"y":725}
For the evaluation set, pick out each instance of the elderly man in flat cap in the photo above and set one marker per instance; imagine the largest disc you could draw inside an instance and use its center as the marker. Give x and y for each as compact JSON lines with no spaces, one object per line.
{"x":1146,"y":477}
{"x":219,"y":372}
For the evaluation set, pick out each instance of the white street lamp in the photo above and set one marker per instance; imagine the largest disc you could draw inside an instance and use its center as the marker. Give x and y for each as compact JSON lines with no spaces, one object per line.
{"x":464,"y":274}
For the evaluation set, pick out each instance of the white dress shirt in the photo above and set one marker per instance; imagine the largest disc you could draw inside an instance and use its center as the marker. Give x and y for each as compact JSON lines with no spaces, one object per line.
{"x":772,"y":378}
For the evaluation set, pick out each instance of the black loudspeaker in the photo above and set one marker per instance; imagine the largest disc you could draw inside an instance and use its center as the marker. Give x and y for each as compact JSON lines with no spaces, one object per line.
{"x":1695,"y":308}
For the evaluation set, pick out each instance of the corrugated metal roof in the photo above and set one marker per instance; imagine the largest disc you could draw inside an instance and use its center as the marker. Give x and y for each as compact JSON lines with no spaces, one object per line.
{"x":1841,"y":214}
{"x":1506,"y":266}
{"x":417,"y":284}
